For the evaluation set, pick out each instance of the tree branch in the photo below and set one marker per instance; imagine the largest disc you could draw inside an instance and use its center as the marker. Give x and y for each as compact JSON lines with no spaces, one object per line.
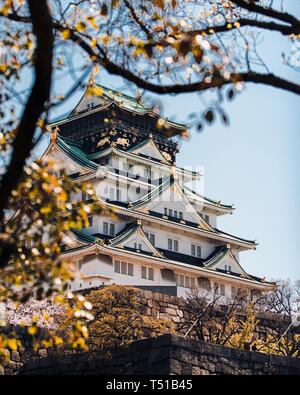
{"x":216,"y":82}
{"x":37,"y":101}
{"x":267,"y":11}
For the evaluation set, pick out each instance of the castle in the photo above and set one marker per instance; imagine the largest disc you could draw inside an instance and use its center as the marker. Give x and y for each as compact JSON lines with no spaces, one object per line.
{"x":158,"y":232}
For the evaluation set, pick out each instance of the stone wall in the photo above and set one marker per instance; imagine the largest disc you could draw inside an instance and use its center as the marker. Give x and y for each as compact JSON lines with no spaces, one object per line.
{"x":165,"y":355}
{"x":175,"y":308}
{"x":24,"y":353}
{"x":155,"y":304}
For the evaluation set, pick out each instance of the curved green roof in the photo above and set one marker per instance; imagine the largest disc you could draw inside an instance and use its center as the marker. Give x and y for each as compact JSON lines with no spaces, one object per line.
{"x":123,"y":101}
{"x":214,"y":202}
{"x":71,"y":149}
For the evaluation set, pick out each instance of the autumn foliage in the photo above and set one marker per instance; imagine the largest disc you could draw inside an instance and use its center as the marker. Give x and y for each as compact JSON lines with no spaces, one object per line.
{"x":117,"y":320}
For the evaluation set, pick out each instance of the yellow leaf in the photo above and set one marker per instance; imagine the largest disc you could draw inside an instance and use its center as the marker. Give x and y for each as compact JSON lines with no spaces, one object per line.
{"x":80,"y":26}
{"x":12,"y":343}
{"x":91,"y":20}
{"x":58,"y":340}
{"x":65,"y":34}
{"x":32,"y":330}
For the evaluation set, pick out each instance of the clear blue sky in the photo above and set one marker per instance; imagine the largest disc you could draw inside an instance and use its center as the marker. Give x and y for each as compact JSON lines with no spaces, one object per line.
{"x":254,"y":164}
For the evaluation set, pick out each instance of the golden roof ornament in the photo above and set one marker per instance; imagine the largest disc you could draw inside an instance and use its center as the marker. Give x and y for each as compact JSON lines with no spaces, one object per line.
{"x":54,"y":134}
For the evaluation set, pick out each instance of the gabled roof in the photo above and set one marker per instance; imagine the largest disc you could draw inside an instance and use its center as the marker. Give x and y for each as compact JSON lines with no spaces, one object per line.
{"x":218,"y":204}
{"x":83,"y":236}
{"x":153,"y":151}
{"x":152,"y":195}
{"x":219,"y":255}
{"x":207,"y":265}
{"x":168,"y":184}
{"x":132,"y":231}
{"x":73,"y":151}
{"x":140,"y":158}
{"x":110,"y":96}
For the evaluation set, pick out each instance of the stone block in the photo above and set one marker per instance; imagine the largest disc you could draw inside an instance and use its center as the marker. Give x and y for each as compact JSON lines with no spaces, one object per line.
{"x":174,"y":299}
{"x":148,"y":295}
{"x":175,"y":366}
{"x":172,"y":306}
{"x":43,"y":353}
{"x":156,"y":296}
{"x":164,"y":316}
{"x":170,"y":311}
{"x":15,"y":356}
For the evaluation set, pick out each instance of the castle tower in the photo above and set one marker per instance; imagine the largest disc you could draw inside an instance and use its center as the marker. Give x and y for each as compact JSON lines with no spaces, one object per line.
{"x":161,"y":234}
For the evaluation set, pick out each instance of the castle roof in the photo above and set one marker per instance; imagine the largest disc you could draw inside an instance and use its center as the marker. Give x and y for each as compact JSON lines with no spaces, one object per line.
{"x":198,"y":265}
{"x":110,"y":96}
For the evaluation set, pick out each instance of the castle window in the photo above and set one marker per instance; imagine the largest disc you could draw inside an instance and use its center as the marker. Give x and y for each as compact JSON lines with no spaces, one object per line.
{"x":151,"y":237}
{"x":150,"y":274}
{"x":196,"y":250}
{"x":144,"y":272}
{"x":206,"y":217}
{"x":138,"y":246}
{"x":176,"y":245}
{"x":109,"y":229}
{"x":173,"y":213}
{"x":117,"y":266}
{"x":185,"y":281}
{"x":90,"y":219}
{"x":173,"y":245}
{"x":112,"y":229}
{"x":105,"y":228}
{"x":123,"y":268}
{"x":235,"y":291}
{"x":130,"y":269}
{"x":79,"y":264}
{"x":193,"y":250}
{"x":118,"y":195}
{"x":219,"y":289}
{"x":147,"y":273}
